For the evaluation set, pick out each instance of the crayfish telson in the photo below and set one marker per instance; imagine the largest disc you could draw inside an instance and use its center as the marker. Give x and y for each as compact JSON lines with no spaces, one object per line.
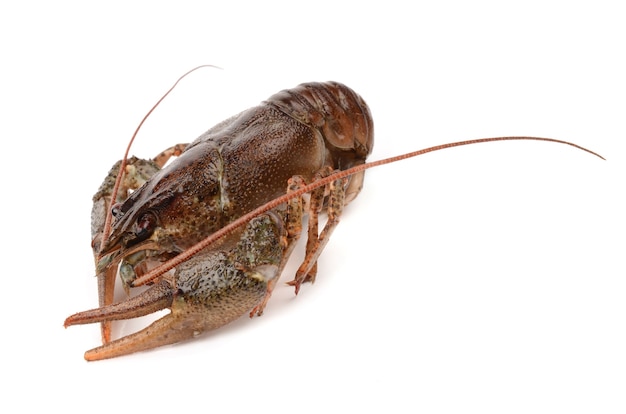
{"x":226,"y":213}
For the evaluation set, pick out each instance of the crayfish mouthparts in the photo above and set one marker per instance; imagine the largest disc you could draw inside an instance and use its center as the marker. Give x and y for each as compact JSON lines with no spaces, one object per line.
{"x":105,"y":261}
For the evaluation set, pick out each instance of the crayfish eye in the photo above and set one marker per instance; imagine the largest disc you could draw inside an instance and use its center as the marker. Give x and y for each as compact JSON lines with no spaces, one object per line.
{"x":116,"y":209}
{"x":145,"y":226}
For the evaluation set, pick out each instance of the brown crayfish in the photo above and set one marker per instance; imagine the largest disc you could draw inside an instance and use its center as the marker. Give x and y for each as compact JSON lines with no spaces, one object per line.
{"x":212,"y":231}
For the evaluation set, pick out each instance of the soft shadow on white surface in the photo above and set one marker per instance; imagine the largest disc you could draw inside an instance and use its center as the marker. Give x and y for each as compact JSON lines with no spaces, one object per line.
{"x":487,"y":278}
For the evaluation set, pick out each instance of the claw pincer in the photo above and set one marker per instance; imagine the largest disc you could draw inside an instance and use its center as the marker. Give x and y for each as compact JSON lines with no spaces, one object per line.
{"x":206,"y":292}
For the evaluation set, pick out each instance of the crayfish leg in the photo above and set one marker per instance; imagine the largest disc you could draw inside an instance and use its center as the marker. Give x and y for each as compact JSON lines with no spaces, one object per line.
{"x":174,"y":151}
{"x":316,"y":243}
{"x":316,"y":205}
{"x":293,"y":229}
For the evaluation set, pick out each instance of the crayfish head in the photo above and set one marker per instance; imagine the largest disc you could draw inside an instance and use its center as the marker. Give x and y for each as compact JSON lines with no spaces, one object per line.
{"x":134,"y":223}
{"x":138,"y":236}
{"x":137,"y":239}
{"x":179,"y":206}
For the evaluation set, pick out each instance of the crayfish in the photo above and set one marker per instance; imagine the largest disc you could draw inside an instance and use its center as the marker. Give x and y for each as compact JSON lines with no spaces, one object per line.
{"x":211,"y":232}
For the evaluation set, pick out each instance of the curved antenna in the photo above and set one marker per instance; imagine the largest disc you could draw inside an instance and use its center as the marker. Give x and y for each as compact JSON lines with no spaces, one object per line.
{"x":107,"y":222}
{"x":231,"y":227}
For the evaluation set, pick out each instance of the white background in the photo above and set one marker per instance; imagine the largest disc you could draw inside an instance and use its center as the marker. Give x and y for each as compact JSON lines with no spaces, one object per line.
{"x":479,"y":279}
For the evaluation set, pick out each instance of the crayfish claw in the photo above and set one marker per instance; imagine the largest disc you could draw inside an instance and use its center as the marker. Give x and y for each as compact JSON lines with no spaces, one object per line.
{"x":156,"y":298}
{"x":207,"y":291}
{"x":164,"y":331}
{"x":190,"y":316}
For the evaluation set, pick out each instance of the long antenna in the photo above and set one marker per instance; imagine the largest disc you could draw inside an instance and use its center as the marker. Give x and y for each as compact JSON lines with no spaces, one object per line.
{"x":229,"y":228}
{"x":107,"y":222}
